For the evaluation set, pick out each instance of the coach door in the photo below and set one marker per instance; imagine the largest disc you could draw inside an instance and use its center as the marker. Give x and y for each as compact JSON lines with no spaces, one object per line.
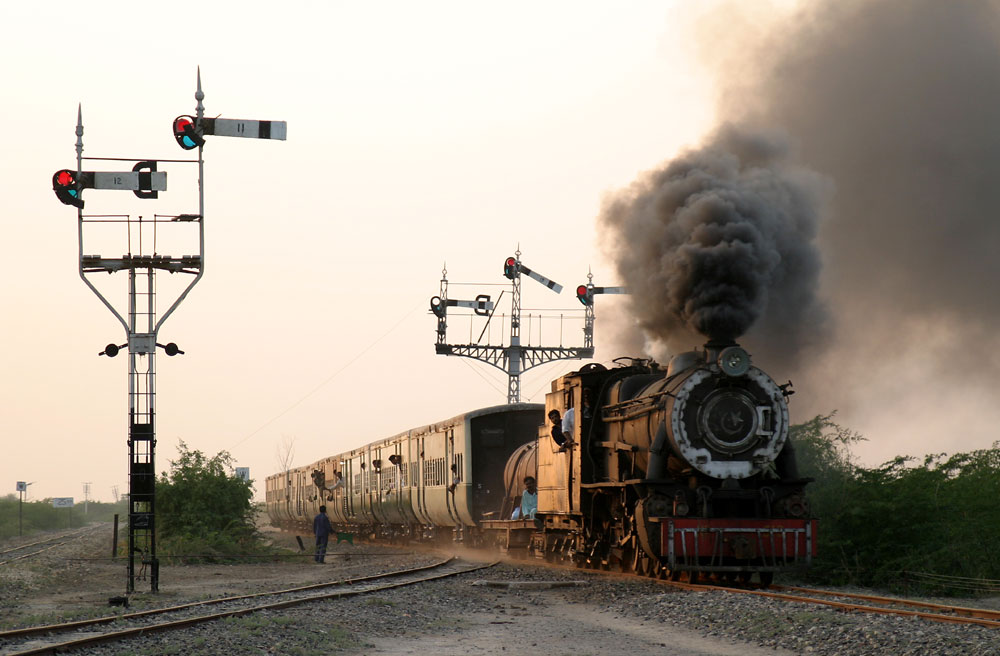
{"x":421,"y":481}
{"x":347,"y":469}
{"x":379,"y":481}
{"x":397,"y":483}
{"x":298,"y":494}
{"x":450,"y":477}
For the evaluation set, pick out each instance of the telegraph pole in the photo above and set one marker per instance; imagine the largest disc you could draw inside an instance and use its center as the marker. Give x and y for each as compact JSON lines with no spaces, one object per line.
{"x":22,"y":487}
{"x":515,"y":358}
{"x":141,"y":262}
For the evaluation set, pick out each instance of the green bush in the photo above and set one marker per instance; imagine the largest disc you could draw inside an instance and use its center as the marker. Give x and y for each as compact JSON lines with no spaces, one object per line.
{"x":203,"y":510}
{"x":934,"y":524}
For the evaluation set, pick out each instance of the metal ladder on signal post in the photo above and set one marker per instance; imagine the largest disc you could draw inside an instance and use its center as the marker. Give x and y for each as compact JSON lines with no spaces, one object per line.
{"x":142,"y":326}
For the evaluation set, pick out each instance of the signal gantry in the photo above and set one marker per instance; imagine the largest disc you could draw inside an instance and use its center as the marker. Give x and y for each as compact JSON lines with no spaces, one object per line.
{"x":514,"y":358}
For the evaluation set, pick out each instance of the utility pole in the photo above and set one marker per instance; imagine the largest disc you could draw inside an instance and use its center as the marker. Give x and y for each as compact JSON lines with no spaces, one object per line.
{"x":141,"y":262}
{"x":514,"y":358}
{"x":86,"y":496}
{"x":22,"y":488}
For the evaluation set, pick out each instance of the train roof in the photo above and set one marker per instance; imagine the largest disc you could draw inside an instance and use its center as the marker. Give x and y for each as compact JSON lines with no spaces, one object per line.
{"x":453,"y":421}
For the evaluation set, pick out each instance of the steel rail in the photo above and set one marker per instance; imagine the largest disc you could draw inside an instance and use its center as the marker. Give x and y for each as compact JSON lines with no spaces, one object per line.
{"x":877,"y":610}
{"x":962,"y":615}
{"x":59,"y":541}
{"x":79,"y":624}
{"x":32,"y":553}
{"x":982,"y":613}
{"x":71,"y":534}
{"x":175,"y":624}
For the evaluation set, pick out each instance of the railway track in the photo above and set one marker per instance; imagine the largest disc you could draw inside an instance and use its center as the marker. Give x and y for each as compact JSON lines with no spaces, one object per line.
{"x":847,"y":602}
{"x":40,"y":546}
{"x":52,"y":638}
{"x":861,"y":603}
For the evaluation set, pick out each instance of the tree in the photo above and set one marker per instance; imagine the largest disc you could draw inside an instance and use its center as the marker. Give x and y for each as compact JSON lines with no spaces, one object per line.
{"x":202,"y":507}
{"x":285,"y":453}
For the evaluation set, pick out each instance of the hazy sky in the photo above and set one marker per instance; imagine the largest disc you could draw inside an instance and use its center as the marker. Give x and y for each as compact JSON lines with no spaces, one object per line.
{"x":418,"y":134}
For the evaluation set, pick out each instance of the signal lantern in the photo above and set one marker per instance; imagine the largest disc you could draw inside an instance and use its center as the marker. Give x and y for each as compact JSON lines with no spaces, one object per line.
{"x":111,"y":350}
{"x":64,"y":183}
{"x":583,"y":293}
{"x":438,"y":307}
{"x":510,"y":268}
{"x":185,"y":133}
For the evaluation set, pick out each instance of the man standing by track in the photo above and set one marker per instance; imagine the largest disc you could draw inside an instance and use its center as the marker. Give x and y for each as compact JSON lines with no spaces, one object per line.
{"x":322,"y":530}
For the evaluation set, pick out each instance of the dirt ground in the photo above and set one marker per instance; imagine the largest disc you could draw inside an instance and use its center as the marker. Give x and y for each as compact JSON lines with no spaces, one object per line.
{"x":75,"y":581}
{"x":546,"y":626}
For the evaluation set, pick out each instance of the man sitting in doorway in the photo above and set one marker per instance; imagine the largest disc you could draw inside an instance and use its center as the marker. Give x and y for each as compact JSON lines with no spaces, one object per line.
{"x":529,"y":498}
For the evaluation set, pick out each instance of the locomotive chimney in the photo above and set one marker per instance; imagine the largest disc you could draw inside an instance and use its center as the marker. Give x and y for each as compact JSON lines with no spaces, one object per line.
{"x":714,"y":347}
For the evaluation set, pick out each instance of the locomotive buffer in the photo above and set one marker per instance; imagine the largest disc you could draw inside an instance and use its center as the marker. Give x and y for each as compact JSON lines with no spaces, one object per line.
{"x":515,"y":358}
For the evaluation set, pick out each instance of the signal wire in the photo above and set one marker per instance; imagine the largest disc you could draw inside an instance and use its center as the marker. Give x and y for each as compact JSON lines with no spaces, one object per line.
{"x":481,"y":375}
{"x":545,"y":381}
{"x":331,"y":377}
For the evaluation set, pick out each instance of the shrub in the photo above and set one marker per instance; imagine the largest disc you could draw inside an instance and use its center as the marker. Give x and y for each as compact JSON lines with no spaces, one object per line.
{"x":933,"y":523}
{"x":203,"y":510}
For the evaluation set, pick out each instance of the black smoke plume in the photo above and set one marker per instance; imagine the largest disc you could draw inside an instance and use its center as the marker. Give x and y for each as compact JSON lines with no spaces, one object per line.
{"x":720,"y":239}
{"x":897,"y":102}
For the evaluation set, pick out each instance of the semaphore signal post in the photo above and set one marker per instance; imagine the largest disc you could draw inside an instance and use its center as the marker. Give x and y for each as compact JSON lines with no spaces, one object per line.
{"x":514,"y":358}
{"x":140,"y":318}
{"x":585,"y":294}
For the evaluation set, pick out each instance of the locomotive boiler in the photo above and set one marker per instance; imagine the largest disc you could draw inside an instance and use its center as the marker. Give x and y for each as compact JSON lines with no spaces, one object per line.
{"x":683,"y":471}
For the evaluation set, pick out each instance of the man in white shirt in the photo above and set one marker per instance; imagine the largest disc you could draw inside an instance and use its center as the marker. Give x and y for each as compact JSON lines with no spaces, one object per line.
{"x":567,"y":424}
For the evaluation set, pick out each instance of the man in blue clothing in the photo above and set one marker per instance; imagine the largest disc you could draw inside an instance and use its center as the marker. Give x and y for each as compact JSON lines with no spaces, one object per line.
{"x":322,"y":529}
{"x":529,"y":498}
{"x":529,"y":501}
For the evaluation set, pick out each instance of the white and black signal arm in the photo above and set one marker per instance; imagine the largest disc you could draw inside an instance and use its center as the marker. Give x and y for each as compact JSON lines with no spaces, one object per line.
{"x":586,"y":292}
{"x":512,"y":266}
{"x":481,"y":306}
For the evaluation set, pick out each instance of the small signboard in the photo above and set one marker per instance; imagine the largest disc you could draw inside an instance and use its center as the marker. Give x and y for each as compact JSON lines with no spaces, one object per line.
{"x":22,"y":486}
{"x":243,"y":473}
{"x":131,"y":180}
{"x":62,"y":502}
{"x":238,"y":127}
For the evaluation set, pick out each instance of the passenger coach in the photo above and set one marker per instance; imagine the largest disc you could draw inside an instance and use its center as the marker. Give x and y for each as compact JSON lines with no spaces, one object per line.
{"x":418,"y":482}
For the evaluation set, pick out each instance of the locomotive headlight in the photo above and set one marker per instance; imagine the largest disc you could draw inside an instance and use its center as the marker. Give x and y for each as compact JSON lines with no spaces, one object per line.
{"x":681,"y":508}
{"x":734,"y":361}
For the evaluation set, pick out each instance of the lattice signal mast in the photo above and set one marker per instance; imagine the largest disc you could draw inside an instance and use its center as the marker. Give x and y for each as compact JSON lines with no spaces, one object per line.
{"x":139,"y":320}
{"x":585,"y":293}
{"x":514,"y":359}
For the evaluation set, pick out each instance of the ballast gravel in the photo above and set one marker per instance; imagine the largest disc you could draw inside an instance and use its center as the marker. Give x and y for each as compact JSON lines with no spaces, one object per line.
{"x":511,"y":608}
{"x":359,"y":625}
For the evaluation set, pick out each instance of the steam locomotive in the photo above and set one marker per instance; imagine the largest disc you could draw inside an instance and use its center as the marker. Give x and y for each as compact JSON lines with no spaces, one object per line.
{"x":683,"y":472}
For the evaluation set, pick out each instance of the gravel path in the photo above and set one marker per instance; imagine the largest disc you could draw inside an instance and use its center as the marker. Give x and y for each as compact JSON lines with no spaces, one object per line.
{"x":509,"y":609}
